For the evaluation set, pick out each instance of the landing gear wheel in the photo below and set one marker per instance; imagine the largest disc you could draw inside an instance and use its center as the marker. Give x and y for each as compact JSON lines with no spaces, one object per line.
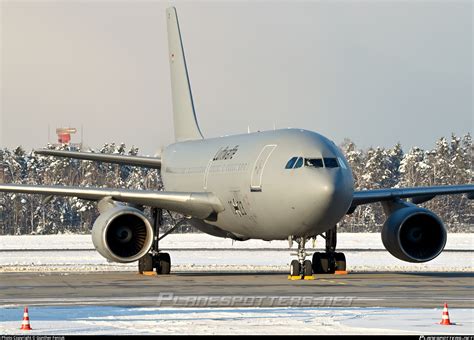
{"x":331,"y":263}
{"x":295,"y":268}
{"x":145,"y":264}
{"x":340,"y":260}
{"x":320,"y":263}
{"x":307,"y":268}
{"x":163,"y":263}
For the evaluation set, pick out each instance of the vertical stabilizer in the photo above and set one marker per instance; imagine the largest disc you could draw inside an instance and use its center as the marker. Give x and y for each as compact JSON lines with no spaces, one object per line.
{"x":185,"y":123}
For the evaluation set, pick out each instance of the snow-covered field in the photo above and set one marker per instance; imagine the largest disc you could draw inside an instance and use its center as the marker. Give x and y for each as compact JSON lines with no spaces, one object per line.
{"x":173,"y":241}
{"x":306,"y":321}
{"x":193,"y":252}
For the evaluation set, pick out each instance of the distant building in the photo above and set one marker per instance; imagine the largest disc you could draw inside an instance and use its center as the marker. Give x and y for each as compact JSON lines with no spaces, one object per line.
{"x":64,"y":137}
{"x":64,"y":134}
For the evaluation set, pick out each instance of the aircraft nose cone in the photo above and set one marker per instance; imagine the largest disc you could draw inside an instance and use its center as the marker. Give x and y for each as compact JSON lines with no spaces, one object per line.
{"x":333,"y":197}
{"x":328,"y":186}
{"x":328,"y":189}
{"x":330,"y":192}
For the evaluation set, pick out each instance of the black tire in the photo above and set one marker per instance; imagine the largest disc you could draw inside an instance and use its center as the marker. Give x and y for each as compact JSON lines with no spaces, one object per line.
{"x":326,"y":266}
{"x":145,"y":264}
{"x":320,"y":263}
{"x":307,"y":268}
{"x":340,"y":261}
{"x":295,"y":268}
{"x":317,"y":268}
{"x":163,"y":264}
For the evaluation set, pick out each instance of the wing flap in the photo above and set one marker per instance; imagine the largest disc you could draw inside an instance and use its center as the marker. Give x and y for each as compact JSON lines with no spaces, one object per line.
{"x":146,"y":162}
{"x":200,"y":205}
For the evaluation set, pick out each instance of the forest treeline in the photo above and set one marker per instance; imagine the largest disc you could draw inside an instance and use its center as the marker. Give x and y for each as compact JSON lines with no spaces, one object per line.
{"x":448,"y":163}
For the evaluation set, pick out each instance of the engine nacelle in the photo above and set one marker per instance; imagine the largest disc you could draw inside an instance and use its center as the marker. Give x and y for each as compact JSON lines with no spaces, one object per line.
{"x":414,"y":234}
{"x":122,"y":234}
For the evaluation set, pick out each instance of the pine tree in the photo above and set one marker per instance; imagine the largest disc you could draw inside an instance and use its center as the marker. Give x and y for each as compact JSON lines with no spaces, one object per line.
{"x":448,"y":163}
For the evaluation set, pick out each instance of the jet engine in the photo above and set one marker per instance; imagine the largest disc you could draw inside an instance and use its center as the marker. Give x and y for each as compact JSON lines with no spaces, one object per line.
{"x":414,"y":234}
{"x":122,"y":234}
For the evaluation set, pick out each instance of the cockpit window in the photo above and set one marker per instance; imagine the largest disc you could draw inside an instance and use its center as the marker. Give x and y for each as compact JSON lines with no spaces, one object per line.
{"x":299,"y":163}
{"x":331,"y":163}
{"x":313,"y":162}
{"x":291,"y":163}
{"x":341,"y":163}
{"x":295,"y":162}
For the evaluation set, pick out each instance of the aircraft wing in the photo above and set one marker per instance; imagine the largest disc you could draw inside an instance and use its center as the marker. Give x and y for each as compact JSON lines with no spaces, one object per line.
{"x":417,"y":194}
{"x":196,"y":204}
{"x":146,"y":162}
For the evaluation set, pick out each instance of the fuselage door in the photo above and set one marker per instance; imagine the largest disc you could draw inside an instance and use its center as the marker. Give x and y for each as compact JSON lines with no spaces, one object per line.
{"x":206,"y":173}
{"x":257,"y":171}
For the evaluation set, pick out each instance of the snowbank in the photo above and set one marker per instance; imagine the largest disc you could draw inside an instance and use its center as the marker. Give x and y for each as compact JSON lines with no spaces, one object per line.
{"x":194,"y":252}
{"x":345,"y":240}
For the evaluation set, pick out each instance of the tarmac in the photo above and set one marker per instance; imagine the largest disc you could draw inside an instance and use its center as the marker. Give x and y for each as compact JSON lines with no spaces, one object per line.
{"x":364,"y":289}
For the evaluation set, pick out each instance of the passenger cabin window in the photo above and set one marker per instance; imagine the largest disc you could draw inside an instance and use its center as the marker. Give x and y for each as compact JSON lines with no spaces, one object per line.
{"x":331,"y":163}
{"x":313,"y":162}
{"x":291,"y":163}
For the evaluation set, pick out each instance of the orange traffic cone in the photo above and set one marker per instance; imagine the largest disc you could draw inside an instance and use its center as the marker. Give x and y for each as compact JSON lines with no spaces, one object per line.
{"x":25,"y":326}
{"x":445,"y":320}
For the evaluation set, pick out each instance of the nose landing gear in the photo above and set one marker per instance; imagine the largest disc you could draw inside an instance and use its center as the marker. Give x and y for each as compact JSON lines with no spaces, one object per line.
{"x":301,"y":267}
{"x":329,"y":262}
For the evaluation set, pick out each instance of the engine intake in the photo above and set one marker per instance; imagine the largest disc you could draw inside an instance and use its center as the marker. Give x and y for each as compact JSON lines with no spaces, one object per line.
{"x":414,"y":234}
{"x":122,"y":234}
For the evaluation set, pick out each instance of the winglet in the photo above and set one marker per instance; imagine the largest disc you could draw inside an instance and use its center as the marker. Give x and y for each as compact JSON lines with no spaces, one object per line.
{"x":185,"y":122}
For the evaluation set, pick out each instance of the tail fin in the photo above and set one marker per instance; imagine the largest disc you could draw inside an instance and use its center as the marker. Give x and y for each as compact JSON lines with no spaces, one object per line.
{"x":185,"y":122}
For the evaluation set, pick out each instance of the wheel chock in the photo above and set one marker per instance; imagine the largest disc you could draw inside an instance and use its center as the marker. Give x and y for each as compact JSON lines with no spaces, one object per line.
{"x":294,"y":277}
{"x":341,"y":272}
{"x":152,"y":273}
{"x":300,"y":277}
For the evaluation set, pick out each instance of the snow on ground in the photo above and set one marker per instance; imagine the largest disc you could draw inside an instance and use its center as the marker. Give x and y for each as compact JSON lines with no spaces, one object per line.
{"x":188,"y":241}
{"x":306,"y":321}
{"x":189,"y":255}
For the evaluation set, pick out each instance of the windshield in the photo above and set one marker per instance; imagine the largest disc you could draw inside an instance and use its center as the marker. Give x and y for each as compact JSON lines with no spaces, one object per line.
{"x":331,"y":163}
{"x":313,"y":162}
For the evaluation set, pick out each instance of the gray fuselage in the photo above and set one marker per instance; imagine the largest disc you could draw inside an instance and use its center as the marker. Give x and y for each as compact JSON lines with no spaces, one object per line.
{"x":262,"y":198}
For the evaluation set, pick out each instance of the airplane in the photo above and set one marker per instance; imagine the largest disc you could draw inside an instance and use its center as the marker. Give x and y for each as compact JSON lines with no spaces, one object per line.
{"x":287,"y":184}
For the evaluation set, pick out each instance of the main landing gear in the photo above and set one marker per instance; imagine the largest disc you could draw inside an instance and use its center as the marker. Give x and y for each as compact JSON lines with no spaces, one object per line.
{"x":328,"y":262}
{"x":155,"y":260}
